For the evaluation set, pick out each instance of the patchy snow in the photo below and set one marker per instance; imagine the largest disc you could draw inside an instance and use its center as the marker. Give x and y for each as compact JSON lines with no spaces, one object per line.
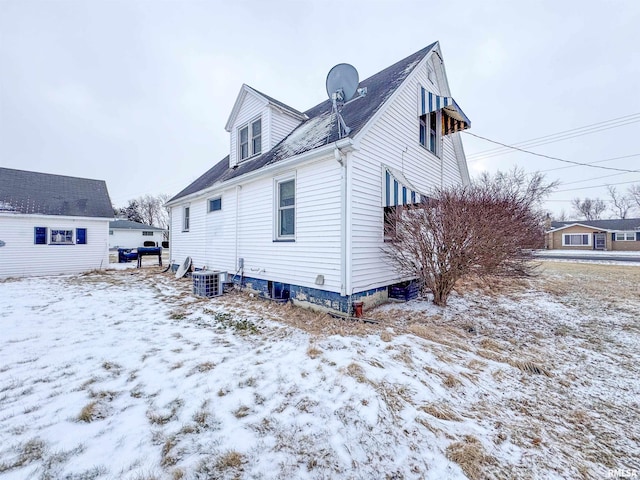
{"x":7,"y":207}
{"x":124,"y":374}
{"x":311,"y":134}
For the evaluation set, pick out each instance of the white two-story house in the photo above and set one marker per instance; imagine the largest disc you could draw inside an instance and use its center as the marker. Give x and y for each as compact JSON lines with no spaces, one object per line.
{"x":297,"y":210}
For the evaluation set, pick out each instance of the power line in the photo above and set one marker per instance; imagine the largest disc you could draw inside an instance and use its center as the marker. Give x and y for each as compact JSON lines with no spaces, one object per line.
{"x":561,"y":136}
{"x":591,"y":163}
{"x":592,"y":178}
{"x":597,"y":186}
{"x":549,"y":156}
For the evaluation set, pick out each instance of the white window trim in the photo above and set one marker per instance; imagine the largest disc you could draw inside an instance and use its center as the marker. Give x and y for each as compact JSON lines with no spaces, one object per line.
{"x":437,"y":151}
{"x":276,"y":207}
{"x":70,"y":242}
{"x":186,"y":221}
{"x":219,"y":197}
{"x":565,"y":235}
{"x":249,"y":126}
{"x":625,"y":234}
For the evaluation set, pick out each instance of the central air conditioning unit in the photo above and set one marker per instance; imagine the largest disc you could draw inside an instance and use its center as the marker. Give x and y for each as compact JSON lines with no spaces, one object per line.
{"x":208,"y":283}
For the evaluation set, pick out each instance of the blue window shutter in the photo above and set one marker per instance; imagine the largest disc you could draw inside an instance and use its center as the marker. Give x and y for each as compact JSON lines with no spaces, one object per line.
{"x":40,"y":235}
{"x":613,"y":237}
{"x":637,"y":236}
{"x":81,"y":236}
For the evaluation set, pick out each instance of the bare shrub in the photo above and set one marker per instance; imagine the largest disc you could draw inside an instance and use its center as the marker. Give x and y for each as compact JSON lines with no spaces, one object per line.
{"x":487,"y":228}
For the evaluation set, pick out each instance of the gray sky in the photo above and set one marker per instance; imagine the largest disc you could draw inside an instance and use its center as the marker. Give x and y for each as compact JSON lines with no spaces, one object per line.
{"x":138,"y":92}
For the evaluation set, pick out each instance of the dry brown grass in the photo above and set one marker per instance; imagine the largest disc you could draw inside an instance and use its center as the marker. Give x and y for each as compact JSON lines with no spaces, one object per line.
{"x":440,"y":411}
{"x":230,"y":460}
{"x":530,"y":367}
{"x":313,"y":351}
{"x":471,"y":457}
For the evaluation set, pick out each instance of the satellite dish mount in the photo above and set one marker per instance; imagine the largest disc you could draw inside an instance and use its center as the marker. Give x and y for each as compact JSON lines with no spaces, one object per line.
{"x":342,"y":83}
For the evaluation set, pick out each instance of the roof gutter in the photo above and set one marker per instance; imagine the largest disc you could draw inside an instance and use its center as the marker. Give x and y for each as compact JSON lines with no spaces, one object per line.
{"x":344,"y":144}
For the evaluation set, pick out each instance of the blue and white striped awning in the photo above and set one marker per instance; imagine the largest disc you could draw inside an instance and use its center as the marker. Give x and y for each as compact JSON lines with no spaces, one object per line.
{"x":397,"y":190}
{"x":453,"y":118}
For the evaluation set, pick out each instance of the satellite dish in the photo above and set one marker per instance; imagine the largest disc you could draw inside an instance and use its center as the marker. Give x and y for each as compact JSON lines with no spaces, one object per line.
{"x":184,"y":268}
{"x":343,"y":81}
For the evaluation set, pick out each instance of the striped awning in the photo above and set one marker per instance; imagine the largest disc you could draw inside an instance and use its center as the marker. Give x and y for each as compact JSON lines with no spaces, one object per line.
{"x":453,"y":118}
{"x":397,"y":190}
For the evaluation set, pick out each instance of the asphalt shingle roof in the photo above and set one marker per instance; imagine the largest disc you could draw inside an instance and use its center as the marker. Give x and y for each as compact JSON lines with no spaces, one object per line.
{"x":27,"y":192}
{"x":320,"y":129}
{"x":131,"y":225}
{"x":617,"y":224}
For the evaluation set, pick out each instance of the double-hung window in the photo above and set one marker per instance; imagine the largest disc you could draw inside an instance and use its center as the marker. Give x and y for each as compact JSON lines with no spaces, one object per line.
{"x":625,"y":236}
{"x":285,"y":209}
{"x":429,"y":132}
{"x":250,"y":139}
{"x":186,"y":213}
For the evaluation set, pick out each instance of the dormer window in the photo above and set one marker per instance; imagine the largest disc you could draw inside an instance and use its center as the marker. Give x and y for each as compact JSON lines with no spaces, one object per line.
{"x":250,"y":139}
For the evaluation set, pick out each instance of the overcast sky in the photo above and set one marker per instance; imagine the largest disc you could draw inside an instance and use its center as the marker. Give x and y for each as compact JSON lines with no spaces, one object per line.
{"x":137,"y":93}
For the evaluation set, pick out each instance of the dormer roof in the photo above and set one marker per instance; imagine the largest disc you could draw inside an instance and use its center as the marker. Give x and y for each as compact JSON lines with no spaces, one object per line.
{"x":319,"y":127}
{"x":247,"y":90}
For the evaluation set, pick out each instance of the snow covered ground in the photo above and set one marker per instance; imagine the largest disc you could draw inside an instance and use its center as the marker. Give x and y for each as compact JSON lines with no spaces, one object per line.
{"x":124,"y":374}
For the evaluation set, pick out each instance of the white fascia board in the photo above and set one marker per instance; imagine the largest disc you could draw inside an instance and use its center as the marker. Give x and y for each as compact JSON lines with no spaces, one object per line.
{"x":344,"y":144}
{"x":590,"y":227}
{"x":372,"y":121}
{"x":244,"y":90}
{"x":53,"y":217}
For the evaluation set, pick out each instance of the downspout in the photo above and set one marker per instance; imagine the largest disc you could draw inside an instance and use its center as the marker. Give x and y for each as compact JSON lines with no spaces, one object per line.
{"x":341,"y":159}
{"x":238,"y":188}
{"x":170,"y":236}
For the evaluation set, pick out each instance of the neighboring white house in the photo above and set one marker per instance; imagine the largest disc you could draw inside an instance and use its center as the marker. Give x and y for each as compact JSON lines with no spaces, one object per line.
{"x":128,"y":234}
{"x":296,"y":208}
{"x":52,"y":224}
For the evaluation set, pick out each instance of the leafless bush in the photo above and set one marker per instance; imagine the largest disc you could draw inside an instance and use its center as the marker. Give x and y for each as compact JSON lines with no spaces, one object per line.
{"x":488,"y":228}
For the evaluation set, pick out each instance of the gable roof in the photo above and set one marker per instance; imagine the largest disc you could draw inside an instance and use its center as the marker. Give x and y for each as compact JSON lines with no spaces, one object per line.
{"x":131,"y":225}
{"x":616,"y":224}
{"x":270,"y":100}
{"x":320,"y":129}
{"x":46,"y":194}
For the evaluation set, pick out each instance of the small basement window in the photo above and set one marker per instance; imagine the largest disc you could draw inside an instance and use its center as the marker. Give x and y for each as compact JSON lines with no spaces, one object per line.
{"x":215,"y":204}
{"x":61,"y":237}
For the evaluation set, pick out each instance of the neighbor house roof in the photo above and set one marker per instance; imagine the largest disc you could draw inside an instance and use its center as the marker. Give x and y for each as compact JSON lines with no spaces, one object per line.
{"x":131,"y":225}
{"x":46,"y":194}
{"x":321,"y":128}
{"x":615,"y":224}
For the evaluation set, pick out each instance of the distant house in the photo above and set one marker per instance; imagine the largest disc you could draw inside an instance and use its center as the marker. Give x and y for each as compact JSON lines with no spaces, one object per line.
{"x":298,"y":208}
{"x":128,"y":234}
{"x":51,"y":224}
{"x":621,"y":235}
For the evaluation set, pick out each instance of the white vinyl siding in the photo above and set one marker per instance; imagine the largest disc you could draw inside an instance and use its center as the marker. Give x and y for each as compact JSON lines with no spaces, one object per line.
{"x":252,"y":109}
{"x":393,"y":140}
{"x":20,"y":256}
{"x":282,"y":125}
{"x":211,"y":241}
{"x":133,"y":238}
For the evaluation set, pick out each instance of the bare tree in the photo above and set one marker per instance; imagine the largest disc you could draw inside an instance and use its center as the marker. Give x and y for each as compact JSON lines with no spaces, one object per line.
{"x":488,"y":228}
{"x":621,"y":203}
{"x":590,"y":209}
{"x":634,"y":195}
{"x":132,"y":211}
{"x":148,"y":209}
{"x":562,"y":216}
